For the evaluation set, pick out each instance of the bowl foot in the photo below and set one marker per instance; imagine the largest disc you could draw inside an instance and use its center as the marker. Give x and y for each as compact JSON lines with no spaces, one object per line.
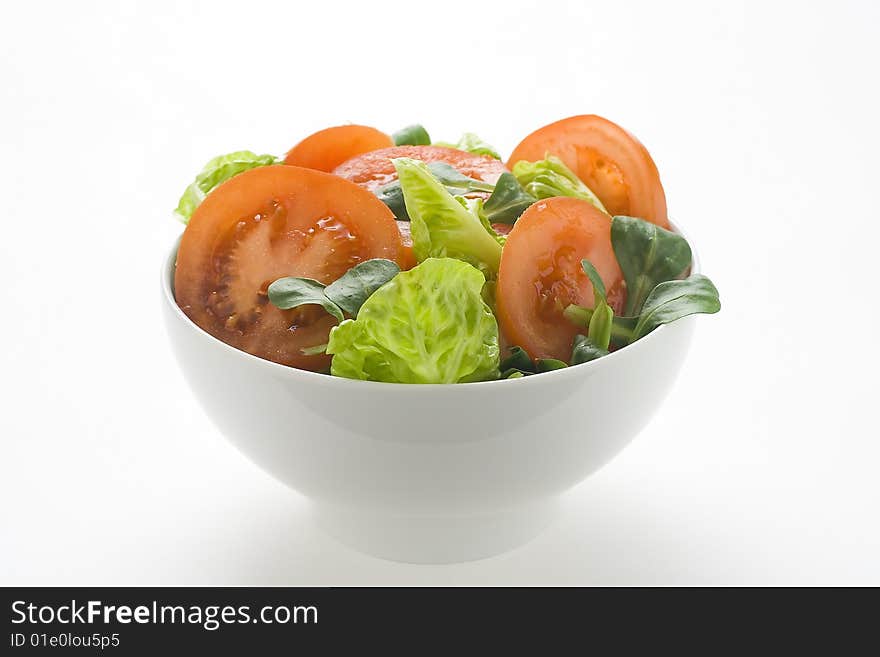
{"x":435,"y":539}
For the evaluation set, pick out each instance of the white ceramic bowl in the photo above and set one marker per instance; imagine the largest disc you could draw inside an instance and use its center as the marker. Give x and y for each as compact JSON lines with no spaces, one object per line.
{"x":428,"y":473}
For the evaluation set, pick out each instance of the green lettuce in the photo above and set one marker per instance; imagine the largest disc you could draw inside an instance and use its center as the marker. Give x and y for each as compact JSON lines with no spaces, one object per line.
{"x":443,"y":227}
{"x":216,"y":171}
{"x":550,"y":177}
{"x":472,"y":144}
{"x":426,"y":325}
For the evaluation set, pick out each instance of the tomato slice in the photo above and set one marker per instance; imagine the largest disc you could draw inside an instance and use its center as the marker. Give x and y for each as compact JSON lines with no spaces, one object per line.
{"x":375,"y":169}
{"x":502,"y":229}
{"x":609,"y":160}
{"x":265,"y":224}
{"x":541,"y":274}
{"x":327,"y":149}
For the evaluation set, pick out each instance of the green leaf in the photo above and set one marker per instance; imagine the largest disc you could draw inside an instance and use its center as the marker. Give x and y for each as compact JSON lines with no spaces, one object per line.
{"x":549,"y":364}
{"x":648,"y":255}
{"x":520,"y":362}
{"x":453,"y":179}
{"x":518,"y":359}
{"x":290,"y":292}
{"x":603,"y":315}
{"x":472,"y":144}
{"x":441,"y":226}
{"x":600,"y":325}
{"x":584,"y":350}
{"x":392,"y":196}
{"x":216,"y":171}
{"x":450,"y":177}
{"x":355,"y":286}
{"x":621,"y":327}
{"x":596,"y":281}
{"x":411,"y":135}
{"x":513,"y":374}
{"x":507,"y":202}
{"x":550,"y":177}
{"x":673,"y":300}
{"x":475,"y":207}
{"x":426,"y":325}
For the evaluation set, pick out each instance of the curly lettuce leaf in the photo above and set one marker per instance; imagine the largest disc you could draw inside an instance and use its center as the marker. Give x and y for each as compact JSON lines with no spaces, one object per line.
{"x":426,"y":325}
{"x":443,"y":227}
{"x":451,"y":178}
{"x":216,"y":171}
{"x":550,"y":177}
{"x":472,"y":144}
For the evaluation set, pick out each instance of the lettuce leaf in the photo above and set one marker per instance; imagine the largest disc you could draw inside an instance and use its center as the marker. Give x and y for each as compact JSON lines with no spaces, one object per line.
{"x":550,"y":177}
{"x":472,"y":144}
{"x":442,"y":227}
{"x":426,"y":325}
{"x":216,"y":171}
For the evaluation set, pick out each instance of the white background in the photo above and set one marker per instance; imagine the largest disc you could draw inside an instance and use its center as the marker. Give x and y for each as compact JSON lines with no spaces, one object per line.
{"x":762,"y":467}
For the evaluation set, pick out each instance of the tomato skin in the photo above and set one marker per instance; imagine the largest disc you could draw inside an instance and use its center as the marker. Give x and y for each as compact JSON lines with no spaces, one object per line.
{"x":541,"y":274}
{"x":374,"y":169}
{"x":610,"y":161}
{"x":326,"y":149}
{"x":264,"y":224}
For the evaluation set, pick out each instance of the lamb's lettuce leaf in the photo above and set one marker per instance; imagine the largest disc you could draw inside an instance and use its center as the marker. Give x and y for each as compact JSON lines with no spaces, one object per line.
{"x":584,"y":350}
{"x":292,"y":292}
{"x":427,"y":325}
{"x":351,"y":290}
{"x":507,"y":201}
{"x":599,"y":330}
{"x":344,"y":295}
{"x":673,"y":300}
{"x":648,"y":255}
{"x":666,"y":303}
{"x":411,"y":135}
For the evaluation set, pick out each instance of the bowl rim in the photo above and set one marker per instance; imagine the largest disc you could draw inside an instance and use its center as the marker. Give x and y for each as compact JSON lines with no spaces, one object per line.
{"x":169,"y":262}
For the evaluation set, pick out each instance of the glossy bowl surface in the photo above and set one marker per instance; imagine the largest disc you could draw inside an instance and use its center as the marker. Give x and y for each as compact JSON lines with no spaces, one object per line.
{"x":428,"y":473}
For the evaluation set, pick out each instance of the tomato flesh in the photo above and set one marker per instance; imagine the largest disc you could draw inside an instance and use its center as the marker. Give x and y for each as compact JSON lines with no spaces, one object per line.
{"x":374,"y":169}
{"x":541,"y":274}
{"x":610,"y":161}
{"x":265,"y":224}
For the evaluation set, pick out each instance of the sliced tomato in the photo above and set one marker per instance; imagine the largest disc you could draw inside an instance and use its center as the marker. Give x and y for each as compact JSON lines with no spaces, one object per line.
{"x":541,"y":274}
{"x":375,"y":169}
{"x":327,"y":149}
{"x":265,"y":224}
{"x":502,"y":229}
{"x":609,"y":160}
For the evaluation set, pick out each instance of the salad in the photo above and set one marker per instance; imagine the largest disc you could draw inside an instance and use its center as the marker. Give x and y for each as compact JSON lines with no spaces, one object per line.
{"x":398,"y":259}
